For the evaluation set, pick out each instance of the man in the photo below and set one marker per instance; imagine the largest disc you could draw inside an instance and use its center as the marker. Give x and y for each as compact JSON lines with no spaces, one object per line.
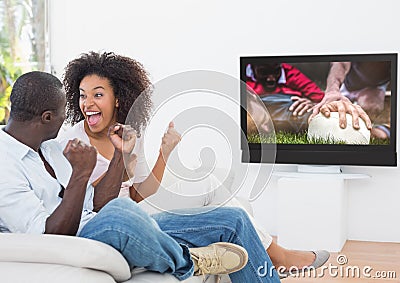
{"x":44,"y":189}
{"x":286,"y":92}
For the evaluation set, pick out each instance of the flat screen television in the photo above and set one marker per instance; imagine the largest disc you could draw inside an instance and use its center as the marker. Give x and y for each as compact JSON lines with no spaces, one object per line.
{"x":369,"y":81}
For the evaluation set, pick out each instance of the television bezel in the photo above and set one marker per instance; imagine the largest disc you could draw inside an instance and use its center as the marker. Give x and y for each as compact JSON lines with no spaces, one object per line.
{"x":315,"y":154}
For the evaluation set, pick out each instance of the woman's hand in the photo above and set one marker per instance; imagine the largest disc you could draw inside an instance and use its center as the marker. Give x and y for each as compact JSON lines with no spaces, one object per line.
{"x":123,"y":137}
{"x":169,"y":141}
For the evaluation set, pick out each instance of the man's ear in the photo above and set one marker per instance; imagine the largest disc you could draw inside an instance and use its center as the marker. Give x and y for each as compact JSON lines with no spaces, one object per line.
{"x":47,"y":116}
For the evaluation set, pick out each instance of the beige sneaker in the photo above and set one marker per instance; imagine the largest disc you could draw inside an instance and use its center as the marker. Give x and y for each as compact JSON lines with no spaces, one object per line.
{"x":218,"y":258}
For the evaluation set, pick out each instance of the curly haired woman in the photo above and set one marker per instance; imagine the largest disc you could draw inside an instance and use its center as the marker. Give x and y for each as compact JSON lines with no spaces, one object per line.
{"x":100,"y":91}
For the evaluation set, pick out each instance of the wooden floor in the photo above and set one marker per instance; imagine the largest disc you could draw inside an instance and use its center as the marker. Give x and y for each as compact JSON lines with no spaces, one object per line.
{"x":382,"y":258}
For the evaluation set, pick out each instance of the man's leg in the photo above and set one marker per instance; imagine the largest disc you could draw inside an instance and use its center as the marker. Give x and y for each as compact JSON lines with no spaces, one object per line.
{"x":201,"y":227}
{"x":124,"y":226}
{"x":283,"y":119}
{"x":371,"y":99}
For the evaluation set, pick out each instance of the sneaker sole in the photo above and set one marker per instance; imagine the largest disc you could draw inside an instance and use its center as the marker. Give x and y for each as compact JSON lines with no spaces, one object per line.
{"x":238,"y":250}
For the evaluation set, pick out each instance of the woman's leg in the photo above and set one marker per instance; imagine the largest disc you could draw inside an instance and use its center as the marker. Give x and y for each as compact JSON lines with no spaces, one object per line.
{"x":284,"y":259}
{"x":281,"y":258}
{"x":202,"y":226}
{"x":124,"y":226}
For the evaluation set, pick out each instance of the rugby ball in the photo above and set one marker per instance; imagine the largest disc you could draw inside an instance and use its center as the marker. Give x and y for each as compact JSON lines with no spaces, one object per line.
{"x":328,"y":130}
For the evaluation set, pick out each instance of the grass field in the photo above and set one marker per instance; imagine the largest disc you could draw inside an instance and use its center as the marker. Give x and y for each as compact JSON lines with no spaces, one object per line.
{"x":301,"y":138}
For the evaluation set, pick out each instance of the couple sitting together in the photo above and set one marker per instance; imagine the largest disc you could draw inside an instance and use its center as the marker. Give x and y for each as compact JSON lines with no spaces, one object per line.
{"x":72,"y":186}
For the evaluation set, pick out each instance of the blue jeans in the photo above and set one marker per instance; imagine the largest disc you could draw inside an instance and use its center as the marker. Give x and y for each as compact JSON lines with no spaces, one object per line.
{"x":161,"y":242}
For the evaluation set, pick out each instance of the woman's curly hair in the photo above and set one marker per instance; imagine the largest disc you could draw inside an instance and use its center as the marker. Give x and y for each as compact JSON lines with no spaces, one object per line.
{"x":128,"y":79}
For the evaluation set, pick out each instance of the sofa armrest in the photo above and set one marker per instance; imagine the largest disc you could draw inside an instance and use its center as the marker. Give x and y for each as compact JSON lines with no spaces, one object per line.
{"x":63,"y":250}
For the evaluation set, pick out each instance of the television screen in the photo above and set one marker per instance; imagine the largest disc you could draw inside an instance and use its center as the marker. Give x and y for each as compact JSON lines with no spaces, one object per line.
{"x":358,"y":91}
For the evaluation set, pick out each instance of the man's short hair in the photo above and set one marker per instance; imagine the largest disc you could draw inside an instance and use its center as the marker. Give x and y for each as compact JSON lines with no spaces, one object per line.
{"x":263,"y":70}
{"x":33,"y":93}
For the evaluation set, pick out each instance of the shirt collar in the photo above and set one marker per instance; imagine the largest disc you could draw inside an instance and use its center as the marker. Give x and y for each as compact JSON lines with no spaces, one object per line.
{"x":13,"y":146}
{"x":282,"y":78}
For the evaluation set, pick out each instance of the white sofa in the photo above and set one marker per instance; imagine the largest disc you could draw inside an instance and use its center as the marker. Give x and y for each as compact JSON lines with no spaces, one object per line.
{"x":55,"y":258}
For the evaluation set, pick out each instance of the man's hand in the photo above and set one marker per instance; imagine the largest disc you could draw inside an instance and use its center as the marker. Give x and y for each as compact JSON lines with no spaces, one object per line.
{"x":330,"y":96}
{"x":300,"y":105}
{"x":83,"y":157}
{"x":169,"y":141}
{"x":343,"y":107}
{"x":123,"y":137}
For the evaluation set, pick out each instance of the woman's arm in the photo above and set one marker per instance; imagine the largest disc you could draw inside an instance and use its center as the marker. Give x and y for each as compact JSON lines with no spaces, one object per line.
{"x":150,"y":185}
{"x":140,"y":191}
{"x":109,"y":186}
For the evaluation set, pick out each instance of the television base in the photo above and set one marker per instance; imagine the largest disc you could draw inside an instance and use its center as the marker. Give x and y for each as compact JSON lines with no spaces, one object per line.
{"x":312,"y":210}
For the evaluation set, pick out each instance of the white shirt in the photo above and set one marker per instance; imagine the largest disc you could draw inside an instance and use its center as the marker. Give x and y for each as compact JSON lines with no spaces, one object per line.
{"x":78,"y":131}
{"x":28,"y":193}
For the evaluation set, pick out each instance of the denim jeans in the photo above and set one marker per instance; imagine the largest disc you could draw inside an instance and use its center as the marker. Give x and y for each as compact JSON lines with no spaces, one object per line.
{"x":161,"y":242}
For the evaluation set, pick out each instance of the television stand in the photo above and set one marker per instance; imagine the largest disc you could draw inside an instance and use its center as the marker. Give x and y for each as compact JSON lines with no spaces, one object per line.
{"x":329,"y":169}
{"x":312,"y":208}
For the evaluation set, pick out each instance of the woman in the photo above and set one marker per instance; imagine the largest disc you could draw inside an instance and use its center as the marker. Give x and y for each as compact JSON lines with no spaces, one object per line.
{"x":100,"y":90}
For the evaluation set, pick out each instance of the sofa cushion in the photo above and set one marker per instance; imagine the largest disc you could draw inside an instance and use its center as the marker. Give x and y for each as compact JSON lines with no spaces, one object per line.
{"x":151,"y":277}
{"x":22,"y":272}
{"x":63,"y":250}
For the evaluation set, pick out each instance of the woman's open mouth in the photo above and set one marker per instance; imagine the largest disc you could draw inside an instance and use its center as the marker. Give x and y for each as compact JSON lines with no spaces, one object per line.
{"x":93,"y":117}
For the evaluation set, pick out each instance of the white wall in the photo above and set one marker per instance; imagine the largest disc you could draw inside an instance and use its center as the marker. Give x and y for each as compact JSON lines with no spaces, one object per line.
{"x":173,"y":36}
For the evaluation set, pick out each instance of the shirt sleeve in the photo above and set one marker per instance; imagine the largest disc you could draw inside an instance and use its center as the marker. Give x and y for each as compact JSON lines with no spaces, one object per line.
{"x":142,"y":170}
{"x":21,"y":211}
{"x":64,"y":134}
{"x":298,"y":81}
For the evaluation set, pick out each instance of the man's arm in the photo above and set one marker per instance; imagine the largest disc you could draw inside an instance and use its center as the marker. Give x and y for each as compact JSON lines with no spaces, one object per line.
{"x":335,"y":101}
{"x":20,"y":208}
{"x":297,"y":81}
{"x":66,"y":217}
{"x":335,"y":79}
